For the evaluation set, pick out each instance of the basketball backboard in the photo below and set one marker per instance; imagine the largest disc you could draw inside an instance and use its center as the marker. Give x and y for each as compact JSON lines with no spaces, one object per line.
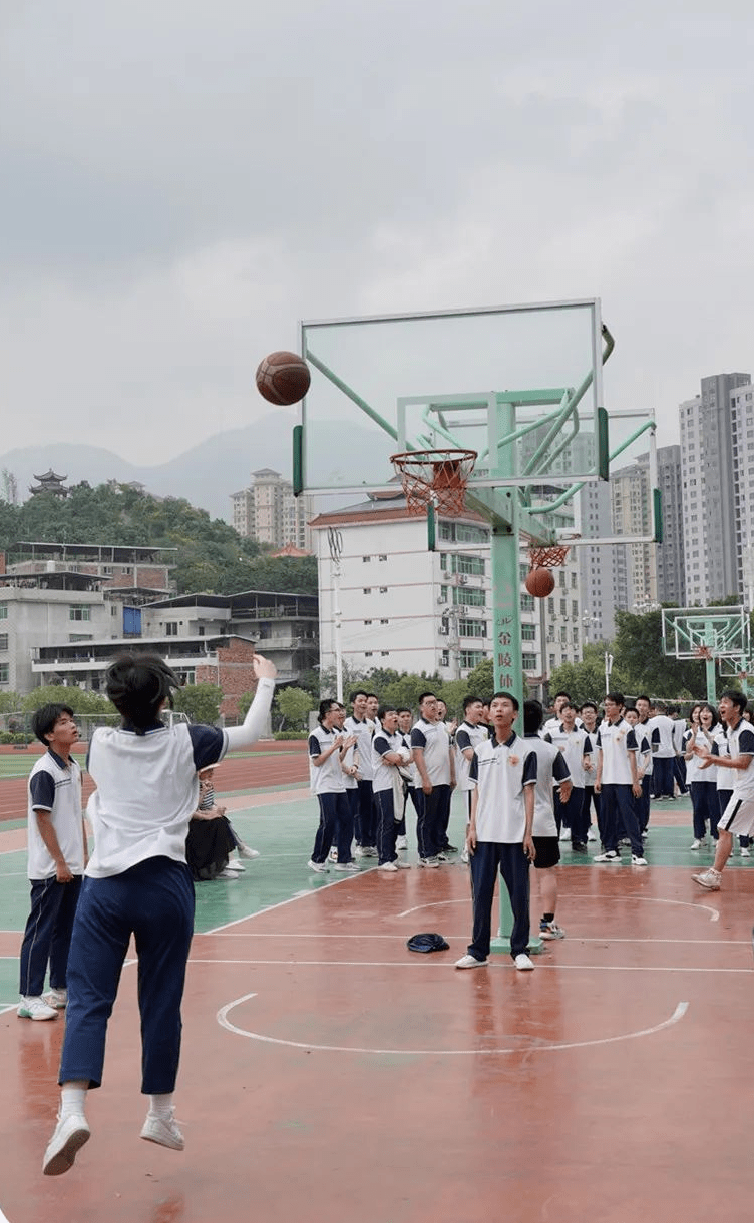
{"x":521,"y":385}
{"x":688,"y":632}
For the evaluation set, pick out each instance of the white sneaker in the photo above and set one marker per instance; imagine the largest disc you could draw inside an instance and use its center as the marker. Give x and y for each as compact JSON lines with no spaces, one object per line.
{"x":234,"y":865}
{"x":745,"y":851}
{"x":401,"y":865}
{"x":351,"y":867}
{"x":162,"y":1130}
{"x":429,"y":862}
{"x":637,"y":860}
{"x":57,"y":998}
{"x":565,"y":834}
{"x":247,"y":852}
{"x":465,"y":854}
{"x":401,"y":843}
{"x":322,"y":867}
{"x":226,"y":873}
{"x":591,"y":835}
{"x":523,"y":963}
{"x":333,"y":855}
{"x":610,"y":855}
{"x":35,"y":1008}
{"x":470,"y":961}
{"x":696,"y":843}
{"x":69,"y":1136}
{"x":388,"y":866}
{"x":709,"y":879}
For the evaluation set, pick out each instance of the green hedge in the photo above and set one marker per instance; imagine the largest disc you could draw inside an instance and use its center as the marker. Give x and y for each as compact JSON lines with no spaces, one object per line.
{"x":7,"y":736}
{"x":291,"y":734}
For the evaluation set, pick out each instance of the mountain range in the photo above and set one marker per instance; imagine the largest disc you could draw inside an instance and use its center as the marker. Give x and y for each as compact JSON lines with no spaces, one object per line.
{"x":208,"y":474}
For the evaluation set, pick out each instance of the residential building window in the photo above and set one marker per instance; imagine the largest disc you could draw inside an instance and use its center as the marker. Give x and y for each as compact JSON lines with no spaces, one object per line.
{"x":367,"y":621}
{"x":367,"y":590}
{"x":529,"y":662}
{"x":528,"y":632}
{"x":3,"y":641}
{"x":382,"y":556}
{"x":4,"y":673}
{"x":472,"y":628}
{"x":527,"y":603}
{"x":383,"y":590}
{"x":79,"y":611}
{"x":366,"y":558}
{"x":384,"y":621}
{"x":367,"y":653}
{"x":3,"y":611}
{"x":471,"y":658}
{"x":471,"y":595}
{"x":385,"y":653}
{"x":171,"y":628}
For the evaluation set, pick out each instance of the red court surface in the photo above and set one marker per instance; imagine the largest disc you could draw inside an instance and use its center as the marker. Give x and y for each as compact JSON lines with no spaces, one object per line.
{"x":330,"y":1075}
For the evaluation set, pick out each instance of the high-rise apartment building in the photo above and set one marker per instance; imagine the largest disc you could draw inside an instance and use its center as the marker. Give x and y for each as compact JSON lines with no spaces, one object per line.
{"x":710,"y":472}
{"x":670,"y":553}
{"x":631,"y":499}
{"x":269,"y":513}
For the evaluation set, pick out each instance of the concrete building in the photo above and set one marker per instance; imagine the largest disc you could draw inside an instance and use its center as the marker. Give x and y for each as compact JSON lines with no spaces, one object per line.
{"x":408,"y":609}
{"x":602,"y":568}
{"x":631,"y":508}
{"x":710,"y":472}
{"x":670,"y":553}
{"x":269,"y":513}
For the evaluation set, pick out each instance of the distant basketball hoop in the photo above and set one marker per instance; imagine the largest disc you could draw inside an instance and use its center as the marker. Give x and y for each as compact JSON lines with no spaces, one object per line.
{"x":435,"y":477}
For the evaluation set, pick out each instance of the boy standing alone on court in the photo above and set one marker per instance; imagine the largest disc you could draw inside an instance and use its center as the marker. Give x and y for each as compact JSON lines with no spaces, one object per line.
{"x":57,"y":856}
{"x":499,"y":835}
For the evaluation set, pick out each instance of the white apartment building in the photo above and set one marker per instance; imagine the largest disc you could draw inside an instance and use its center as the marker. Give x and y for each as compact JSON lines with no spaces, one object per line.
{"x":408,"y":609}
{"x":715,"y":468}
{"x":269,"y":513}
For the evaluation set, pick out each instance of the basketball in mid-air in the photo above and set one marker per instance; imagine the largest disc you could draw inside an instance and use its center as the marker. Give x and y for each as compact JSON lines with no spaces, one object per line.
{"x":539,"y":582}
{"x":283,"y":378}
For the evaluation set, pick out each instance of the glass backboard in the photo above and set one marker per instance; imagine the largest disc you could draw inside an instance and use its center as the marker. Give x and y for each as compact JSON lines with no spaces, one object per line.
{"x":520,"y":385}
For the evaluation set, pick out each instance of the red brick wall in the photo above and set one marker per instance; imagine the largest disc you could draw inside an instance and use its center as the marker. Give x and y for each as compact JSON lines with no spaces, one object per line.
{"x":234,"y":674}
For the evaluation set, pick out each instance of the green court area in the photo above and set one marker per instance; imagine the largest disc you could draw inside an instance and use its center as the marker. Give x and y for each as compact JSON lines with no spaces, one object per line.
{"x":284,"y":833}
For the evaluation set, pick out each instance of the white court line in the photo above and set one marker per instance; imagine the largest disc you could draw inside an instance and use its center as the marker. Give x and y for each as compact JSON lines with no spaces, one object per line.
{"x":575,"y":938}
{"x":222,"y":1019}
{"x":501,"y":961}
{"x":692,"y":904}
{"x":281,"y":903}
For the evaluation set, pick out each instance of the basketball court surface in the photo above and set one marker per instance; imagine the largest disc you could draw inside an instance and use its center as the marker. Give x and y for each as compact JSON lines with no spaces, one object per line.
{"x":330,"y":1074}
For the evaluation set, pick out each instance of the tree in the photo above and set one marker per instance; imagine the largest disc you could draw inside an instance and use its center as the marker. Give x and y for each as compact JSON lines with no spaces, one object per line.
{"x":200,"y":702}
{"x":78,"y":699}
{"x":640,"y":659}
{"x":295,"y":704}
{"x":481,"y":681}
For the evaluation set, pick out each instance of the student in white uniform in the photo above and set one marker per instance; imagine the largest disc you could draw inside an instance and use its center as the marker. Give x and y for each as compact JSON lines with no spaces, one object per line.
{"x":552,"y":770}
{"x":56,"y":857}
{"x":738,"y":816}
{"x":137,"y":883}
{"x":499,"y":835}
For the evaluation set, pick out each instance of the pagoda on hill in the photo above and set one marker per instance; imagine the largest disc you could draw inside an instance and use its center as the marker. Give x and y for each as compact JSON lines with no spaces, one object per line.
{"x":50,"y":482}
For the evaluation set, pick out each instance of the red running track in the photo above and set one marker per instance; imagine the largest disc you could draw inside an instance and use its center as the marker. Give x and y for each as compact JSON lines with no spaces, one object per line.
{"x":267,"y":765}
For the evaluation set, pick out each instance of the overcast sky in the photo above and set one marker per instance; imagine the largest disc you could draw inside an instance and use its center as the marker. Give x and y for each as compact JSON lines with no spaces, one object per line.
{"x":184,"y":180}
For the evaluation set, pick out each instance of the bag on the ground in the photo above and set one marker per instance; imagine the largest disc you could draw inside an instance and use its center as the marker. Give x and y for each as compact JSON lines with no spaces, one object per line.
{"x":427,"y":942}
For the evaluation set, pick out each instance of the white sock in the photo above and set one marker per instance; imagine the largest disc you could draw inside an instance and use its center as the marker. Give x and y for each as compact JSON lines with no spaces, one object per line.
{"x":73,"y":1098}
{"x":161,"y":1106}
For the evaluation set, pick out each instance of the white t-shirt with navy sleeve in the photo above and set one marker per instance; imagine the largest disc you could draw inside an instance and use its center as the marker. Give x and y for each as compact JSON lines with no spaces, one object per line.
{"x":55,"y":786}
{"x":432,"y":738}
{"x":326,"y":778}
{"x":147,"y":791}
{"x":467,"y":736}
{"x":383,"y":773}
